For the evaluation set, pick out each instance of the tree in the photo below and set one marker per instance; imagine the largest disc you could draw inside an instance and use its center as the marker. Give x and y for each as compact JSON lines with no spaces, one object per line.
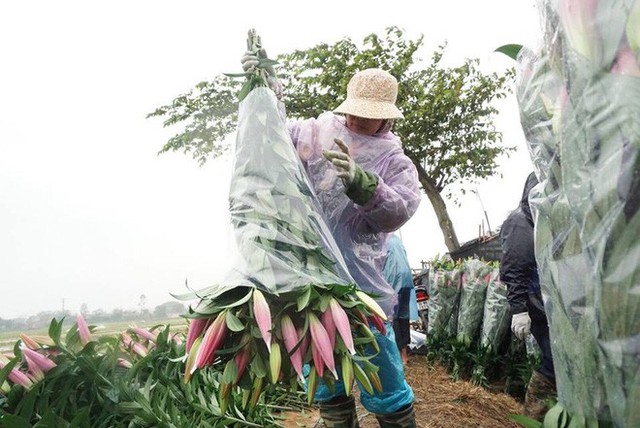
{"x":448,"y":128}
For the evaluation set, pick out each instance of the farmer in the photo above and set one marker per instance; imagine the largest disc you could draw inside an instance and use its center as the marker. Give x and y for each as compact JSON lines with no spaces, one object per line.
{"x":519,"y":272}
{"x":367,"y":188}
{"x":397,"y":272}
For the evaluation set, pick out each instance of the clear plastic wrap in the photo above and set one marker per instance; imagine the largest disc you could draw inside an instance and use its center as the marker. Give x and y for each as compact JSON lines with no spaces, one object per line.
{"x":288,"y":299}
{"x":496,"y":320}
{"x":444,"y":293}
{"x":473,"y":292}
{"x":579,"y":99}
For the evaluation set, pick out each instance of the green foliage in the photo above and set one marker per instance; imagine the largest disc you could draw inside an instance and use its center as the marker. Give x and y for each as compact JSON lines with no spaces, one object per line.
{"x":89,"y":388}
{"x":208,"y":113}
{"x":447,"y":130}
{"x":559,"y":417}
{"x":511,"y":50}
{"x":509,"y":366}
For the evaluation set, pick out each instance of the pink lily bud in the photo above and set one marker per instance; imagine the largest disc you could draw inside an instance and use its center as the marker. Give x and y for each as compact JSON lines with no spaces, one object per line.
{"x":42,"y":341}
{"x":262,"y":314}
{"x":379,"y":324}
{"x":577,"y":18}
{"x":83,"y":330}
{"x":213,"y":338}
{"x":17,"y":377}
{"x":242,"y":361}
{"x":304,"y":344}
{"x":135,"y":347}
{"x":317,"y":360}
{"x":371,"y":304}
{"x":341,"y":321}
{"x":196,"y":327}
{"x":327,"y":322}
{"x":625,"y":62}
{"x":35,"y":374}
{"x":143,"y":333}
{"x":190,"y":366}
{"x":36,"y":360}
{"x":122,"y":362}
{"x":177,"y":339}
{"x":290,"y":337}
{"x":29,"y":342}
{"x":320,"y":339}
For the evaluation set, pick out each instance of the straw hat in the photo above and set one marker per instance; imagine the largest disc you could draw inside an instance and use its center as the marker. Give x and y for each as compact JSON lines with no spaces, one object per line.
{"x":371,"y":94}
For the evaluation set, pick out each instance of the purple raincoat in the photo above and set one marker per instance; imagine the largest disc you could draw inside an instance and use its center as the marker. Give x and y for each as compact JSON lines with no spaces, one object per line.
{"x":360,"y":231}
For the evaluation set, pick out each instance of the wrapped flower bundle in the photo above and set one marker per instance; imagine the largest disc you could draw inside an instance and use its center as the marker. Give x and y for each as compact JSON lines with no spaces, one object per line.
{"x":473,"y":291}
{"x":288,"y":299}
{"x":580,"y":109}
{"x":444,"y":297}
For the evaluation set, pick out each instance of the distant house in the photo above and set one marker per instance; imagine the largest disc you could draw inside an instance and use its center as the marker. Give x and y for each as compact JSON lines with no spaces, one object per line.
{"x":488,"y":248}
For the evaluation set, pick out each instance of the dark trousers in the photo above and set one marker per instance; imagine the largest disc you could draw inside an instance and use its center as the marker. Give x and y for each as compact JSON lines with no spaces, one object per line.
{"x":401,"y":326}
{"x":401,"y":329}
{"x":540,"y":330}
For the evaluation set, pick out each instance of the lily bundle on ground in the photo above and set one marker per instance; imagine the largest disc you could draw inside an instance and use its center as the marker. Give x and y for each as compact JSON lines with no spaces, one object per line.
{"x":288,"y":300}
{"x":85,"y":378}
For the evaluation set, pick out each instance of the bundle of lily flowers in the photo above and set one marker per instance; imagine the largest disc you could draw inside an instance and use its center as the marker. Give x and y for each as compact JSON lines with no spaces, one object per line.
{"x":288,"y":312}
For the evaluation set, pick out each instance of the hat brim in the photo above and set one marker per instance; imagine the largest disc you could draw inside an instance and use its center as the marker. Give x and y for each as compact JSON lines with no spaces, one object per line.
{"x":369,"y":109}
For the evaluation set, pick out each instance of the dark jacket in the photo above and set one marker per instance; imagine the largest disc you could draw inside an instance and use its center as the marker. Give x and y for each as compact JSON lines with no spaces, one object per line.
{"x":518,"y":268}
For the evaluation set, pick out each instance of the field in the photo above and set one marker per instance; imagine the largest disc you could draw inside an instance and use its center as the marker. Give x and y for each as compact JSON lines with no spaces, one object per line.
{"x":8,"y":339}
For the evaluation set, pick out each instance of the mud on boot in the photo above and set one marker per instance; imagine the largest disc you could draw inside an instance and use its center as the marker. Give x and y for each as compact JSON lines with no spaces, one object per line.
{"x":403,"y":418}
{"x":339,"y":412}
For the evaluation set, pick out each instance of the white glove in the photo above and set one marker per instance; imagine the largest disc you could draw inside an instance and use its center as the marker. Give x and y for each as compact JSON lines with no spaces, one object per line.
{"x":521,"y":325}
{"x":251,"y":60}
{"x":345,"y":166}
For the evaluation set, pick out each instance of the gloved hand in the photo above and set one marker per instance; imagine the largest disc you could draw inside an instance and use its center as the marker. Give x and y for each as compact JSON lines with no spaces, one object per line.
{"x":345,"y":166}
{"x":521,"y":325}
{"x":251,"y":60}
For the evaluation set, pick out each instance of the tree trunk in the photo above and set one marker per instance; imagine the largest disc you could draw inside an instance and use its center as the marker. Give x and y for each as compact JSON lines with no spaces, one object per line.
{"x":446,"y":225}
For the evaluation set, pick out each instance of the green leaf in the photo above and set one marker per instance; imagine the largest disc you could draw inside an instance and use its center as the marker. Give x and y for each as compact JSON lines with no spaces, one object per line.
{"x":258,"y":367}
{"x":81,"y":419}
{"x":6,"y":369}
{"x":246,"y":88}
{"x":511,"y":50}
{"x":13,"y":421}
{"x":303,"y":300}
{"x":526,"y":421}
{"x":556,"y":417}
{"x":266,"y":62}
{"x":577,"y":421}
{"x":237,"y":74}
{"x":233,"y":322}
{"x":55,"y":330}
{"x":230,"y":372}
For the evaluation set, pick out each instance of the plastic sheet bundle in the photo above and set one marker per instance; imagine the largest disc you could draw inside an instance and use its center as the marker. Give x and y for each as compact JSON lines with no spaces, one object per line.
{"x":496,"y":319}
{"x":579,"y":99}
{"x":473,"y":292}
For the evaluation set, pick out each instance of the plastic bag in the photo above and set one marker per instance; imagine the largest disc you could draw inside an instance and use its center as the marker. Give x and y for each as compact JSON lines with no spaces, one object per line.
{"x":579,"y":99}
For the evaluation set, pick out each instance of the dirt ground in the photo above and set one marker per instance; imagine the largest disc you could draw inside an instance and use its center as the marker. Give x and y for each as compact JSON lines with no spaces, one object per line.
{"x":439,"y":403}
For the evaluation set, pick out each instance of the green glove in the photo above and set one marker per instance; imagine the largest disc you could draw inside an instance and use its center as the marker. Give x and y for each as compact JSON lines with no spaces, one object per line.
{"x":360,"y":184}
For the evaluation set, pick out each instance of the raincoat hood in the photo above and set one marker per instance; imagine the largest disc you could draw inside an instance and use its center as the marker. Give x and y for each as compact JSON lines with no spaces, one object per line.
{"x":529,"y":184}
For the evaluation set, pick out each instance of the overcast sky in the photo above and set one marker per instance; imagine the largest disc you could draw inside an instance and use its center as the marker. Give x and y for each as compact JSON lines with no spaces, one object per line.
{"x":89,"y":213}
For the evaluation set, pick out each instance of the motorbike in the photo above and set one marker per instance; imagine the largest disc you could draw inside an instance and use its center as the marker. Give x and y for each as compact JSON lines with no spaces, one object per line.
{"x":420,"y":285}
